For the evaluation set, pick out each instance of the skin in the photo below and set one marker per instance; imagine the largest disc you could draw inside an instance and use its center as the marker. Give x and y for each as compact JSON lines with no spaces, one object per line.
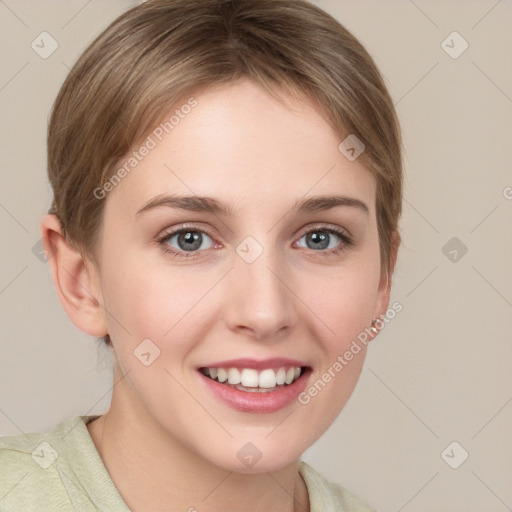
{"x":166,"y":439}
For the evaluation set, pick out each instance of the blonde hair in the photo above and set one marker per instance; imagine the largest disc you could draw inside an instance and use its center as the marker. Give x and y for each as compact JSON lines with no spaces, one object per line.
{"x":158,"y":53}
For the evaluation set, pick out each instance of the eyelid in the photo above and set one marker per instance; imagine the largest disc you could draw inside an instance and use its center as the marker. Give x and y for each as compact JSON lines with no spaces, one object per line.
{"x":346,"y":240}
{"x":182,"y":227}
{"x":325,"y":226}
{"x":169,"y":233}
{"x":303,"y":231}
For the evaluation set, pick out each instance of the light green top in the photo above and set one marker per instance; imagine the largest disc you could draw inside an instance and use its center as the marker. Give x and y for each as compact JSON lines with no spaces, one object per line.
{"x":62,"y":471}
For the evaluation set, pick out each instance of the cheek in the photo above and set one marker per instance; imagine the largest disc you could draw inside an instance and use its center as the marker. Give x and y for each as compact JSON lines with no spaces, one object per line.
{"x":149,"y":301}
{"x":343,"y":300}
{"x":342,"y":304}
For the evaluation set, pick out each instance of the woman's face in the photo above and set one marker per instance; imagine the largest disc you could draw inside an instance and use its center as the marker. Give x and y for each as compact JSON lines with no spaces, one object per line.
{"x":257,"y":275}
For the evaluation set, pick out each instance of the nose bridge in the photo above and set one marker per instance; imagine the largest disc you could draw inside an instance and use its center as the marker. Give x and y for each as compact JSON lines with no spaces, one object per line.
{"x":260,"y":298}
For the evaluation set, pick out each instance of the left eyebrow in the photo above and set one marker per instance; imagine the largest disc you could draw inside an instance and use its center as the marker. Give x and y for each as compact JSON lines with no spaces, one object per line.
{"x":211,"y":205}
{"x":321,"y":203}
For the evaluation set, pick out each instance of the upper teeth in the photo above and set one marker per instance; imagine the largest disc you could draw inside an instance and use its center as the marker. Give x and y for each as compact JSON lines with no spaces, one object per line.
{"x":251,"y":378}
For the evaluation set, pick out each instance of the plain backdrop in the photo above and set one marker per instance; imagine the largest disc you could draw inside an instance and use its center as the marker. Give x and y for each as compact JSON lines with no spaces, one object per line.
{"x":437,"y":383}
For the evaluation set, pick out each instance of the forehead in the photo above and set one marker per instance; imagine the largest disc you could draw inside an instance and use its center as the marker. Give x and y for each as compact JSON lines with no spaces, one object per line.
{"x":241,"y":144}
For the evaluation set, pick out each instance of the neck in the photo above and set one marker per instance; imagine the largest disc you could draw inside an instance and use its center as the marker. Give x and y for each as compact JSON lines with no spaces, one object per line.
{"x":151,"y":469}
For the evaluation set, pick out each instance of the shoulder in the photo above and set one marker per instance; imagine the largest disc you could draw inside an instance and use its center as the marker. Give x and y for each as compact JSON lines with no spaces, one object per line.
{"x":327,"y":496}
{"x":28,"y":469}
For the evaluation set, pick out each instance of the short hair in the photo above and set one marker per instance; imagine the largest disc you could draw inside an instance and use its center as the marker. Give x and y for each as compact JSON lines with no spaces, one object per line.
{"x":154,"y":55}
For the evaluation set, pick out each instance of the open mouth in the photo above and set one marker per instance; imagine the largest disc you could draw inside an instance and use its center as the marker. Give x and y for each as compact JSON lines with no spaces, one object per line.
{"x":256,"y":381}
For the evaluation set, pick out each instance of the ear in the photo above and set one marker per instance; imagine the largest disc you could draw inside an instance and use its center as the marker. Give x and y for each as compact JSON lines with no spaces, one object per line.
{"x":384,"y":290}
{"x":76,"y":280}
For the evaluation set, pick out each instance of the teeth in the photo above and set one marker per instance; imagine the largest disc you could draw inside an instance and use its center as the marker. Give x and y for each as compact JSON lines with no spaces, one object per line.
{"x":250,"y":378}
{"x":290,"y":375}
{"x":281,"y":376}
{"x":267,"y":379}
{"x":233,"y":376}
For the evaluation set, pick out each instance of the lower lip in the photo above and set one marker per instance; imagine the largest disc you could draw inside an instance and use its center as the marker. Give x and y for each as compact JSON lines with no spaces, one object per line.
{"x":258,"y":402}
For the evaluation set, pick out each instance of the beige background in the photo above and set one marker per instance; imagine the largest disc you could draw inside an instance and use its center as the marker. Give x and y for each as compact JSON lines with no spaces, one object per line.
{"x":440,"y":372}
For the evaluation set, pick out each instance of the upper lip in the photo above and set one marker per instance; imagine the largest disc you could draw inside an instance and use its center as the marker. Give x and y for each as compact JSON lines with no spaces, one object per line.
{"x":261,"y":364}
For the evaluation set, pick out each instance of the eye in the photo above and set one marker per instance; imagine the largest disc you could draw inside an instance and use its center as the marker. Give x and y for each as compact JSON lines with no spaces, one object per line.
{"x":185,"y":240}
{"x":327,"y":240}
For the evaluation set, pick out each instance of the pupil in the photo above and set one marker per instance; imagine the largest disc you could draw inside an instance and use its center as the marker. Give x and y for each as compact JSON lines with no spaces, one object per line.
{"x":190,"y":238}
{"x":318,"y":239}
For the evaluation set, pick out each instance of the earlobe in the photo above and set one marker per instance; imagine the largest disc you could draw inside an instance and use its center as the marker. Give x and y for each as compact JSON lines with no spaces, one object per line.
{"x":76,"y":281}
{"x":384,"y":291}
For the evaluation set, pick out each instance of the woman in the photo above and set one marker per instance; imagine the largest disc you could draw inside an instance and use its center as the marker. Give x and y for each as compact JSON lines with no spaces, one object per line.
{"x":227,"y":181}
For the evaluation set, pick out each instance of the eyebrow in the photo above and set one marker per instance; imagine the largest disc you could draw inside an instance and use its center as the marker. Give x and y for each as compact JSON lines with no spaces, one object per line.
{"x":211,"y":205}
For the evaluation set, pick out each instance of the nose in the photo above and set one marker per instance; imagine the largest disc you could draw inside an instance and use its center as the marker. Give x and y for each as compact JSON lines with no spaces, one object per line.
{"x":261,"y":303}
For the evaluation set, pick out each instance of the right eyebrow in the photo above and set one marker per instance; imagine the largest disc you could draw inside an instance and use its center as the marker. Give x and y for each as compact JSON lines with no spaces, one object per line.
{"x":190,"y":203}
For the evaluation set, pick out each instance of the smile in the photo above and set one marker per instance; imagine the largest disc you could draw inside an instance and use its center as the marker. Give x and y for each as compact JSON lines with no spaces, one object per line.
{"x":252,"y":380}
{"x":256,"y":386}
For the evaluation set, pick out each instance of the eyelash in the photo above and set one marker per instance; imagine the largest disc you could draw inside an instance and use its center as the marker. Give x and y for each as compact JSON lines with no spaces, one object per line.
{"x":346,"y":241}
